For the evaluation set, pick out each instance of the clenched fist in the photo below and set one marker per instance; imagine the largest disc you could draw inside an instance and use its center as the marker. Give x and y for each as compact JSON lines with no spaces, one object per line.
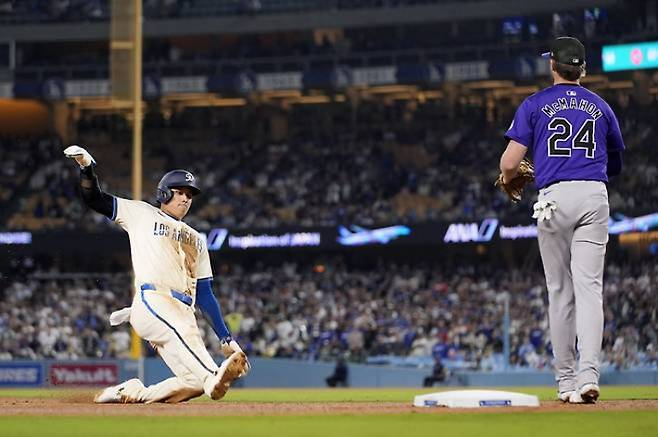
{"x":81,"y":156}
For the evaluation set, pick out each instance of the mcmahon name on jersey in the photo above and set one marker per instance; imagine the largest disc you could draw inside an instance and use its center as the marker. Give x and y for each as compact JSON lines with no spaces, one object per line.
{"x":563,"y":103}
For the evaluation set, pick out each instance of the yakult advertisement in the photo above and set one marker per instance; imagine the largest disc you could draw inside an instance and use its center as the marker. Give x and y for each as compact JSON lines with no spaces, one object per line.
{"x":83,"y":374}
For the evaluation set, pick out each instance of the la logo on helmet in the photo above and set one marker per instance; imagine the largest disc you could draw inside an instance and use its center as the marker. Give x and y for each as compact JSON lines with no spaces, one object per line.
{"x":189,"y":177}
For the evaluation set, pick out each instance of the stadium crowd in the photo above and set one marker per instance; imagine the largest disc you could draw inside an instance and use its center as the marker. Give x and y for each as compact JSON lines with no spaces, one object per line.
{"x":93,"y":10}
{"x":325,"y":310}
{"x":372,"y":165}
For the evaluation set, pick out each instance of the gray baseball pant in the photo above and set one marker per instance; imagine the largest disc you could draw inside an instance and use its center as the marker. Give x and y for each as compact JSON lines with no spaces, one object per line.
{"x":572,"y":245}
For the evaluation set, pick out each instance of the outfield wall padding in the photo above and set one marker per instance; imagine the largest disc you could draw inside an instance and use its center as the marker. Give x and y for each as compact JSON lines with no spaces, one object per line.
{"x":279,"y":372}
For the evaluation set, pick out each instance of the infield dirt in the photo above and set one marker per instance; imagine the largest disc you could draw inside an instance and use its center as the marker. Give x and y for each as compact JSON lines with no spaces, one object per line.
{"x":82,"y":405}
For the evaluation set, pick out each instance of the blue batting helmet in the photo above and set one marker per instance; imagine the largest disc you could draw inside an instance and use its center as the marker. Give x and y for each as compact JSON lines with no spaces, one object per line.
{"x":175,"y":179}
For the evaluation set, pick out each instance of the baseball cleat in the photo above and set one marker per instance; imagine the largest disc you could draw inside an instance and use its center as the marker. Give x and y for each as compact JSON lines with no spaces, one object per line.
{"x":565,"y":396}
{"x":589,"y":393}
{"x":118,"y":394}
{"x":232,"y":368}
{"x":575,"y":398}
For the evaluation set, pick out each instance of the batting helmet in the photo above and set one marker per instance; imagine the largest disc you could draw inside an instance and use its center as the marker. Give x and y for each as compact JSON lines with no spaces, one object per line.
{"x":175,"y":179}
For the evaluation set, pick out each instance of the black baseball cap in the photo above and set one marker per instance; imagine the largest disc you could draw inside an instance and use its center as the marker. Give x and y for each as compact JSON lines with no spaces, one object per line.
{"x":567,"y":50}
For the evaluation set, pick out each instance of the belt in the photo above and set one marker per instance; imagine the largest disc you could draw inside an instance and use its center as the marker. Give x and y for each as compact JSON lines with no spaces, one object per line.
{"x":571,"y":180}
{"x":187,"y":300}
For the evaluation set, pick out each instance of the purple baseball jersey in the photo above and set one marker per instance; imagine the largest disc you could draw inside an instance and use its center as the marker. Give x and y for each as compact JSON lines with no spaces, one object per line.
{"x":569,"y":130}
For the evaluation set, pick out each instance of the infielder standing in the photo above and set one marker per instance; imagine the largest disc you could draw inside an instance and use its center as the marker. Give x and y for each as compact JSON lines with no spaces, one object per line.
{"x":172,"y":274}
{"x":576,"y":145}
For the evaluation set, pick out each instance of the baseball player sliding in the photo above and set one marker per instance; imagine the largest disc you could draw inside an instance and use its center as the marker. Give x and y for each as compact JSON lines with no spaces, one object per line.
{"x":576,"y":145}
{"x":172,"y":274}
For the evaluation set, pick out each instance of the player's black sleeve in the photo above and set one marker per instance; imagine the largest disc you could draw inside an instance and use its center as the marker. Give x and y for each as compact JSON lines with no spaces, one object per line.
{"x":92,"y":194}
{"x":614,"y":162}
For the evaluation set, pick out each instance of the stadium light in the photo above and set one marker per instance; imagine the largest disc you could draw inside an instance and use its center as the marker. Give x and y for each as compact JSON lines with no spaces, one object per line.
{"x":281,"y":94}
{"x":392,"y":89}
{"x":311,"y":99}
{"x":101,"y":104}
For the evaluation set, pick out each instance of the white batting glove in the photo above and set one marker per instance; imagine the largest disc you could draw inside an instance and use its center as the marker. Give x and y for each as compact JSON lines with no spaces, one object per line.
{"x":543,"y":210}
{"x":230,"y":346}
{"x":81,"y":156}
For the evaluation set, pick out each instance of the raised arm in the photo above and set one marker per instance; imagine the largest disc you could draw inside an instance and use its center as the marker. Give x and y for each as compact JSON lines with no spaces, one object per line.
{"x":92,"y":194}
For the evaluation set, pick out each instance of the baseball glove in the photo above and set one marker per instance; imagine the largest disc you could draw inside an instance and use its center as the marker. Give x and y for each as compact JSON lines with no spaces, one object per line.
{"x":514,"y":188}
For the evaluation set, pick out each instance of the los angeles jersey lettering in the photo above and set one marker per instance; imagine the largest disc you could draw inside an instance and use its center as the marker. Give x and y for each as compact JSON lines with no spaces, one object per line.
{"x":569,"y":130}
{"x":165,"y":251}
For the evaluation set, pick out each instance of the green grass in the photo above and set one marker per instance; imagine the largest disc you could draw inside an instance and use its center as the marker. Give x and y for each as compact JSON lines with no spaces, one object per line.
{"x":462,"y":424}
{"x":599,"y":424}
{"x":359,"y":394}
